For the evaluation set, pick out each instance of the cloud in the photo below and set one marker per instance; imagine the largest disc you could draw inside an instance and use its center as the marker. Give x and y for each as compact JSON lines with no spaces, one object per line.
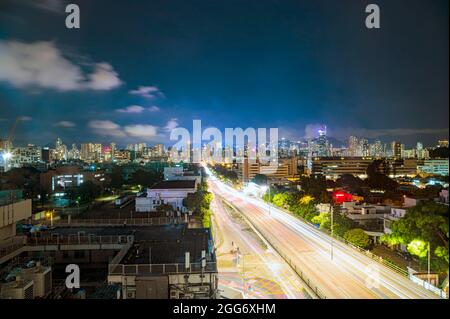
{"x":24,"y":118}
{"x":141,"y":130}
{"x":103,"y":78}
{"x":171,"y":124}
{"x":55,"y":6}
{"x":376,"y":133}
{"x":153,"y":108}
{"x":132,"y":109}
{"x":66,"y":124}
{"x":106,"y":128}
{"x":312,"y":130}
{"x":42,"y":65}
{"x":147,"y":92}
{"x":109,"y":128}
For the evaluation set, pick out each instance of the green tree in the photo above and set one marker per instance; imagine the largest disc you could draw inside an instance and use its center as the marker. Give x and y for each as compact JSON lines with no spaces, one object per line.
{"x":357,"y":237}
{"x":428,"y":222}
{"x":281,"y":199}
{"x":323,"y":220}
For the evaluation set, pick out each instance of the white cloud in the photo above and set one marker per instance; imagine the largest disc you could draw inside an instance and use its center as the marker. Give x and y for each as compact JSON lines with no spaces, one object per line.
{"x":109,"y":128}
{"x":42,"y":65}
{"x":103,"y":78}
{"x":147,"y":92}
{"x":171,"y":124}
{"x":153,"y":108}
{"x":132,"y":109}
{"x":138,"y":109}
{"x":66,"y":124}
{"x":141,"y":130}
{"x":106,"y":128}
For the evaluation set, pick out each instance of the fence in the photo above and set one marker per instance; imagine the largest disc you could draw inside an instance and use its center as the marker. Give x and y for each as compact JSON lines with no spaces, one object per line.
{"x":74,"y":239}
{"x":367,"y":253}
{"x":149,"y":221}
{"x":425,"y":284}
{"x":161,"y":269}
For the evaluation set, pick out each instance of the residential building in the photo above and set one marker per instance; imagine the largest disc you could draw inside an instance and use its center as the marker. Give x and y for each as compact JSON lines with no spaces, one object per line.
{"x":434,"y":167}
{"x":13,"y":208}
{"x":171,"y":192}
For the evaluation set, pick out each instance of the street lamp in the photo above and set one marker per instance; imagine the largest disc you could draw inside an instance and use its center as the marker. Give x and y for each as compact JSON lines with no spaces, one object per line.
{"x":49,"y":214}
{"x":6,"y":157}
{"x":332,"y":227}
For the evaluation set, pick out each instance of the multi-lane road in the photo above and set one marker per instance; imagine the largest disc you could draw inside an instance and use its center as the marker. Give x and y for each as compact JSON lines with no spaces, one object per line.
{"x":349,"y":274}
{"x":246,"y":263}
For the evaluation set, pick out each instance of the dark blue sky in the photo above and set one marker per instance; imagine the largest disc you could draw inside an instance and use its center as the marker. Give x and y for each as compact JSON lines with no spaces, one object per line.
{"x":266,"y":63}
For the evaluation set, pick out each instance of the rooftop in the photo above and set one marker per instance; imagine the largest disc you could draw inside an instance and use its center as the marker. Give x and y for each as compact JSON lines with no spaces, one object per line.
{"x":174,"y":184}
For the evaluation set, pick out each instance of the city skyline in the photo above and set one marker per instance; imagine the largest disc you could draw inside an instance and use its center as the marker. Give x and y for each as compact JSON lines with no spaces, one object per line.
{"x":296,"y":75}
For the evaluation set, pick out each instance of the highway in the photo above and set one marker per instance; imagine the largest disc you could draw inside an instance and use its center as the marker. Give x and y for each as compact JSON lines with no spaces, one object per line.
{"x":259,"y":272}
{"x":349,"y":274}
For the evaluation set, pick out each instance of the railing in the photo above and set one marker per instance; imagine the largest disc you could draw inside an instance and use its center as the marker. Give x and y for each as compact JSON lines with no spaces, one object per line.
{"x":77,"y":240}
{"x":10,"y":249}
{"x":154,"y":221}
{"x":160,"y":269}
{"x":425,"y":284}
{"x":367,"y":253}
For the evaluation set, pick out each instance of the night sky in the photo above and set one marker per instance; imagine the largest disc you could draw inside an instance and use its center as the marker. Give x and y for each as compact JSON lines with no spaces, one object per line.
{"x":136,"y":69}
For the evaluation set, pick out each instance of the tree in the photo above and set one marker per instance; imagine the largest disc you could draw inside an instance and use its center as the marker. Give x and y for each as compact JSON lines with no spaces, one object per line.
{"x":357,"y":237}
{"x":314,"y":185}
{"x":428,"y":222}
{"x":260,"y":179}
{"x":280,"y":199}
{"x":116,"y":177}
{"x":84,"y":193}
{"x":323,"y":220}
{"x":146,"y":178}
{"x":164,"y":208}
{"x":352,"y":183}
{"x":377,"y":176}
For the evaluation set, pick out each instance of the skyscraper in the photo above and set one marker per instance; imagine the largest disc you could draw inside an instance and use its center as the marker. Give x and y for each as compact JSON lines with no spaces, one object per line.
{"x":396,"y":148}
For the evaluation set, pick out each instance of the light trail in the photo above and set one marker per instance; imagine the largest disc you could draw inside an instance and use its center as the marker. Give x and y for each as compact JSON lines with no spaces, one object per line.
{"x":350,"y":274}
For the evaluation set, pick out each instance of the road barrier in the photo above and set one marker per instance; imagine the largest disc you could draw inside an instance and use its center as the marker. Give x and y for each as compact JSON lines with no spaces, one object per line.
{"x":298,"y":271}
{"x":367,"y":253}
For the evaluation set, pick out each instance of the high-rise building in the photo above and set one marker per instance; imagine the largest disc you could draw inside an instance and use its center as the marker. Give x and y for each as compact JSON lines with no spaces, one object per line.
{"x":353,"y":144}
{"x":91,"y":152}
{"x":73,"y":153}
{"x":396,"y":148}
{"x":322,"y":143}
{"x":60,"y":150}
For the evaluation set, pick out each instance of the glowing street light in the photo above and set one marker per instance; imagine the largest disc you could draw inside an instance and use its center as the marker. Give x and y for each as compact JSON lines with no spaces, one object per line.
{"x":49,"y":214}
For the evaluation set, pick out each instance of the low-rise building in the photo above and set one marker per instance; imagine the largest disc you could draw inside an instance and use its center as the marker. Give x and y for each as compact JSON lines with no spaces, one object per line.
{"x":62,"y":178}
{"x":166,"y":192}
{"x":434,"y":167}
{"x":13,"y":209}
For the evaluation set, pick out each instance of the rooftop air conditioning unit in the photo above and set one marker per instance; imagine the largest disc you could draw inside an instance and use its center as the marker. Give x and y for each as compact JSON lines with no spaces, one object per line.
{"x":19,"y":289}
{"x":42,"y":278}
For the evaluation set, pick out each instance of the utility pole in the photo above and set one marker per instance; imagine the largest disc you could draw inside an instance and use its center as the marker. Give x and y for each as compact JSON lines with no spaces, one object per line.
{"x":429,"y":262}
{"x":332,"y":227}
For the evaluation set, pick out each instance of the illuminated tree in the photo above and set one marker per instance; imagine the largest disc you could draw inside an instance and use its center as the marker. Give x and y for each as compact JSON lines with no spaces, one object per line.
{"x":357,"y":237}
